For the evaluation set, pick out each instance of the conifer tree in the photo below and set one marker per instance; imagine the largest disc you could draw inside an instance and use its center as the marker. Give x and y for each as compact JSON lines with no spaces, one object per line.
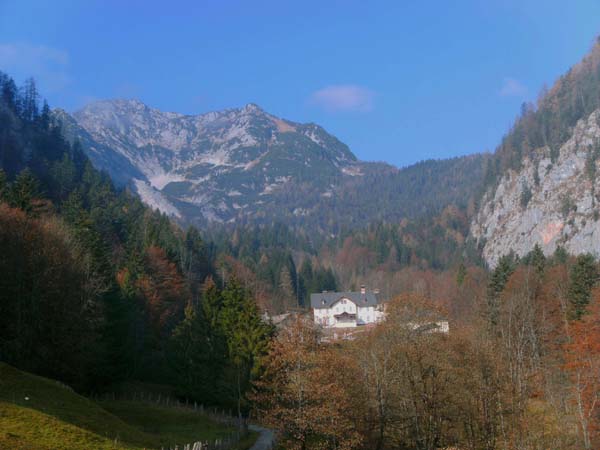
{"x":286,"y":286}
{"x":461,"y":274}
{"x":247,"y":338}
{"x":583,"y":277}
{"x":30,"y":98}
{"x":197,"y":355}
{"x":536,"y":259}
{"x":500,"y":275}
{"x":23,"y":190}
{"x":4,"y":187}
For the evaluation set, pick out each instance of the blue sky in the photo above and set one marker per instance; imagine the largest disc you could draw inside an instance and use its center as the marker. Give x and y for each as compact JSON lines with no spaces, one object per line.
{"x":398,"y":81}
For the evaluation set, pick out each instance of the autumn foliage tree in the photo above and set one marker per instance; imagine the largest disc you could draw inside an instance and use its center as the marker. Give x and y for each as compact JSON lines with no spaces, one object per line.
{"x":582,"y":363}
{"x":300,"y":392}
{"x":164,"y":290}
{"x":50,"y":308}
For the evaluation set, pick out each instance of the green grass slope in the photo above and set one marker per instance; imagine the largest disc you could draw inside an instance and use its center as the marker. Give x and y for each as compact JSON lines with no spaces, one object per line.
{"x":37,"y":413}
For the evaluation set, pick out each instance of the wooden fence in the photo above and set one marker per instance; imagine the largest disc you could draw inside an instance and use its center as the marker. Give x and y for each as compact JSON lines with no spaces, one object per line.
{"x":217,"y":444}
{"x":217,"y":415}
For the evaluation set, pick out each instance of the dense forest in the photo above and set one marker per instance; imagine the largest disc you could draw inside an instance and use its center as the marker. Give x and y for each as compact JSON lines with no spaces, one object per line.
{"x":381,"y":194}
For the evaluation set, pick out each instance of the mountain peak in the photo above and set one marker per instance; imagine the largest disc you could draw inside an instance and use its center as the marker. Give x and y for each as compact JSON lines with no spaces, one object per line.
{"x":216,"y":165}
{"x":252,"y":107}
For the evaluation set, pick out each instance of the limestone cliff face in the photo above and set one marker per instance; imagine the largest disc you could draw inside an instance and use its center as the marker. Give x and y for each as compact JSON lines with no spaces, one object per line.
{"x":547,"y":202}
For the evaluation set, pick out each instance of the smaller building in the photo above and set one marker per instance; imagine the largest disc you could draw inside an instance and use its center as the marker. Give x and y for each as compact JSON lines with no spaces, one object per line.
{"x":347,"y":309}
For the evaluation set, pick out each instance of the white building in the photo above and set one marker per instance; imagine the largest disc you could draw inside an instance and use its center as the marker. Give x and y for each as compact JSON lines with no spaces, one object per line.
{"x":346,"y":309}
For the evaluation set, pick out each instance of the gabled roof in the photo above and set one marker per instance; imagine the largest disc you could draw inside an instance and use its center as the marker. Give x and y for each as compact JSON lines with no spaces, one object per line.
{"x":327,"y":299}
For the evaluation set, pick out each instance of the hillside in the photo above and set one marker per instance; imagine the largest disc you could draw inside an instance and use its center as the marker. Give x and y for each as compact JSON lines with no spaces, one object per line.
{"x":39,"y":413}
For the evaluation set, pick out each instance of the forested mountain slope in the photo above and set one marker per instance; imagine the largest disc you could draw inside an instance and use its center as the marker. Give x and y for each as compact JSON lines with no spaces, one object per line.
{"x":542,"y":180}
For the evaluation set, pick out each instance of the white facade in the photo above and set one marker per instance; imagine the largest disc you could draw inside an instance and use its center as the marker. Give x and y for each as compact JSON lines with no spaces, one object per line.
{"x":345,"y":313}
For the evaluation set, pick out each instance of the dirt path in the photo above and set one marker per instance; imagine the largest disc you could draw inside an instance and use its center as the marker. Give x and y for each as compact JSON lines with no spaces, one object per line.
{"x":266,"y":439}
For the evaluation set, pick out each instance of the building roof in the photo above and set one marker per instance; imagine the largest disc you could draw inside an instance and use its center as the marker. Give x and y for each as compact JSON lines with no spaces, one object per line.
{"x":323,"y":300}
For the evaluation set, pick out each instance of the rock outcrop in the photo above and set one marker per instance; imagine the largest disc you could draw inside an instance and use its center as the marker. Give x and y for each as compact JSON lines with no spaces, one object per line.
{"x":552,"y":201}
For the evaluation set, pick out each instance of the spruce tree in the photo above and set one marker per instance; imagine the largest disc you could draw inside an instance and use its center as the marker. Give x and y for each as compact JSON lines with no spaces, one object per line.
{"x":23,"y":190}
{"x":461,"y":274}
{"x":537,"y":259}
{"x":500,"y":275}
{"x":247,"y":338}
{"x":4,"y":187}
{"x":583,"y":277}
{"x":197,"y":357}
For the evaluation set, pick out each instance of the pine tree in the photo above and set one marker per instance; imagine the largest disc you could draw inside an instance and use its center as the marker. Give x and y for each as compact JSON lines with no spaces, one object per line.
{"x":44,"y":118}
{"x":30,"y":98}
{"x":537,"y":259}
{"x":8,"y":92}
{"x":197,"y":357}
{"x":305,"y":281}
{"x":461,"y":274}
{"x":212,"y":303}
{"x":583,"y":277}
{"x":64,"y":177}
{"x":286,"y":286}
{"x":560,"y":255}
{"x":506,"y":266}
{"x":525,"y":195}
{"x":4,"y":187}
{"x":247,"y":338}
{"x":23,"y":190}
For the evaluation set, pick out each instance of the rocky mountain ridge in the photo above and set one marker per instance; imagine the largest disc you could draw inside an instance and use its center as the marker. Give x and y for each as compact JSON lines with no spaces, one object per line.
{"x":217,"y":165}
{"x":552,"y":201}
{"x":245,"y":165}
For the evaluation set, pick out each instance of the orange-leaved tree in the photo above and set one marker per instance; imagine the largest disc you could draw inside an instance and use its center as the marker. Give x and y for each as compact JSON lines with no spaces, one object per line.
{"x":582,"y":362}
{"x":300,"y":393}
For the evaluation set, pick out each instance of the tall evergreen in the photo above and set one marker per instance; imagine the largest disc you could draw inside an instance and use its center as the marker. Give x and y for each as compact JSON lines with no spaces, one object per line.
{"x":498,"y":279}
{"x":583,"y":277}
{"x":23,"y":190}
{"x":247,"y":337}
